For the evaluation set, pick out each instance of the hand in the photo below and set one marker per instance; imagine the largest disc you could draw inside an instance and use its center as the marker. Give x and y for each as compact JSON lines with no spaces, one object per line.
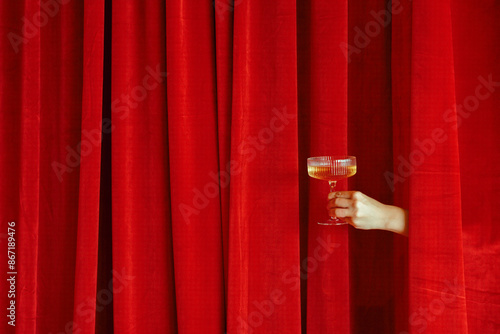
{"x":366,"y":213}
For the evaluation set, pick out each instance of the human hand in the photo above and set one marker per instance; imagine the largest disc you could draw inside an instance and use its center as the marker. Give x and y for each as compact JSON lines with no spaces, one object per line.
{"x":366,"y":213}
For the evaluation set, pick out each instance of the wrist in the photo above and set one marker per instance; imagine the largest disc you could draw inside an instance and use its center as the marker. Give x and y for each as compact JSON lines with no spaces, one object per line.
{"x":396,"y":220}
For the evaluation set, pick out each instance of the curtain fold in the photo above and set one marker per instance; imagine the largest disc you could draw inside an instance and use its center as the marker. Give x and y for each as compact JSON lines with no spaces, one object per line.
{"x":24,"y":206}
{"x":323,"y":89}
{"x":224,"y":68}
{"x":374,"y":267}
{"x":47,"y":98}
{"x":28,"y":203}
{"x":92,"y":127}
{"x":476,"y":36}
{"x":436,"y":276}
{"x":264,"y":224}
{"x":194,"y":165}
{"x":141,"y":215}
{"x":401,"y":76}
{"x":214,"y":108}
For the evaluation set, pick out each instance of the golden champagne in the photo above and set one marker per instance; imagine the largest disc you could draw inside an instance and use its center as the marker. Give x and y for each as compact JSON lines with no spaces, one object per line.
{"x":331,"y":172}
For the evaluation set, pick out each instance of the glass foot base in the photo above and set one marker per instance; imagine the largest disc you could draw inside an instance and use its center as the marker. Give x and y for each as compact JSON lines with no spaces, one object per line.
{"x":333,"y":221}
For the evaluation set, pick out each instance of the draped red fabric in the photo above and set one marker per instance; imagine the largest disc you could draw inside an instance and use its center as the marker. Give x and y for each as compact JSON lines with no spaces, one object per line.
{"x":51,"y":93}
{"x":436,"y":255}
{"x":153,"y":165}
{"x":323,"y":88}
{"x":141,"y":219}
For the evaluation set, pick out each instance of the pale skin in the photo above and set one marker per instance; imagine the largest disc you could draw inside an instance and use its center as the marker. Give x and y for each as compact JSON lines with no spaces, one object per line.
{"x":366,"y":213}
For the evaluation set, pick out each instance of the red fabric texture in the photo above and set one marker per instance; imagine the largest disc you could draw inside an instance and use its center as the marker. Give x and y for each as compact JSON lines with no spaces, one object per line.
{"x":211,"y":110}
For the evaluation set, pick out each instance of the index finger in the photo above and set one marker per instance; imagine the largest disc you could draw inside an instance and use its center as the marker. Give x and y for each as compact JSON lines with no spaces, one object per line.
{"x":341,"y":194}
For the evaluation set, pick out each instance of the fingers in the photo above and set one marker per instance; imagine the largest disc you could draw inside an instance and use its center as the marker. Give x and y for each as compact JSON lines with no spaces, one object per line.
{"x":343,"y":204}
{"x":343,"y":194}
{"x":340,"y":212}
{"x":339,"y":203}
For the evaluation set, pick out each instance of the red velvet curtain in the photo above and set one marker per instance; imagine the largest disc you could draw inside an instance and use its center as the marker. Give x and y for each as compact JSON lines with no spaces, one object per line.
{"x":153,"y":177}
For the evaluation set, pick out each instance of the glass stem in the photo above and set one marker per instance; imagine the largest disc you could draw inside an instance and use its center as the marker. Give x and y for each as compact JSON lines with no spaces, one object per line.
{"x":332,"y":185}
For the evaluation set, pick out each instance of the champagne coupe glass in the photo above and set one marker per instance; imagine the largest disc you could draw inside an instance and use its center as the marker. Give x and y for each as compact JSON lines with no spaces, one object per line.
{"x":331,"y":169}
